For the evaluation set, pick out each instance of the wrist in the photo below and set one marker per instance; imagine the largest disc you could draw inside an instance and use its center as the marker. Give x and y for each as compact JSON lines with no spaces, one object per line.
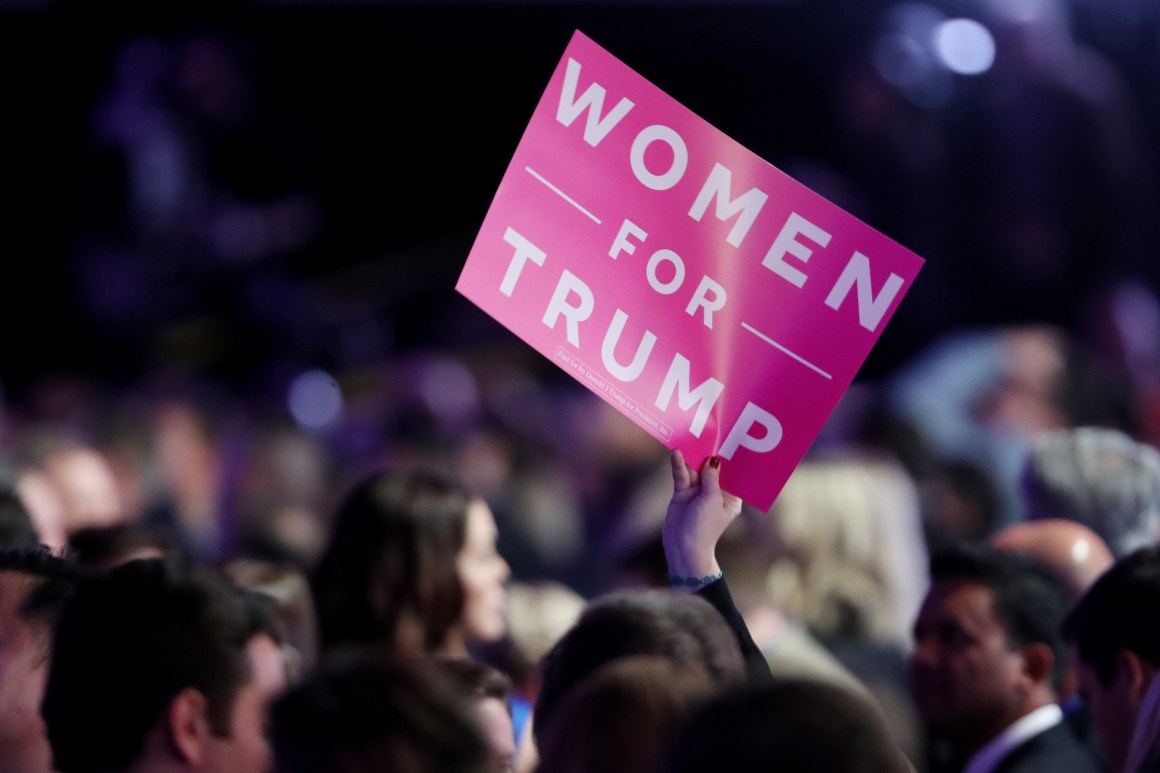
{"x":694,"y":583}
{"x":690,"y":565}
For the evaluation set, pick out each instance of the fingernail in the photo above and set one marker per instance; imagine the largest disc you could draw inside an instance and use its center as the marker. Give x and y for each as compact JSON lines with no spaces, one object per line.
{"x":714,"y":462}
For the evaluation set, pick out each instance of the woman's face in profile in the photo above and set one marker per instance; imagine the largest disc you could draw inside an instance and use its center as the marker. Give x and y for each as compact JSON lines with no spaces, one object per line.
{"x":483,"y":572}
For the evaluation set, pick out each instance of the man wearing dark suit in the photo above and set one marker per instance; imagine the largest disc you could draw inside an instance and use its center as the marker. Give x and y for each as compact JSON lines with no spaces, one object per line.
{"x":1115,"y":642}
{"x":988,"y":662}
{"x":1077,"y":556}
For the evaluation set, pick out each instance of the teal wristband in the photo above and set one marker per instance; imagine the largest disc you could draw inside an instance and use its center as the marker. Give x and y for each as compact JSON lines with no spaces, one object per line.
{"x":694,"y":582}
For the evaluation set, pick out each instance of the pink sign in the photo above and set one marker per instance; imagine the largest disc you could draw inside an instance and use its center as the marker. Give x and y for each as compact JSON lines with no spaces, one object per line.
{"x":715,"y":301}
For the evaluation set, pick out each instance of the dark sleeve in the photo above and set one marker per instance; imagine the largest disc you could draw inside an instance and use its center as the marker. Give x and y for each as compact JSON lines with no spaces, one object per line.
{"x":717,"y":593}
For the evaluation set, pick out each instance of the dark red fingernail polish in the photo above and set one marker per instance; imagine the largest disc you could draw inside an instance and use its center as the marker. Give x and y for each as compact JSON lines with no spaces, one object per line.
{"x":714,"y":462}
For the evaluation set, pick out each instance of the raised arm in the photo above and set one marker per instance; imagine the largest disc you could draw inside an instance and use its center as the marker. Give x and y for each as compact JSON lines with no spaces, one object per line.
{"x":698,"y":515}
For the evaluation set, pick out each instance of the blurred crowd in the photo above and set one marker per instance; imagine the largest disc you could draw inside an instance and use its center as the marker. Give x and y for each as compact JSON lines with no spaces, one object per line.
{"x":274,"y":513}
{"x":470,"y":595}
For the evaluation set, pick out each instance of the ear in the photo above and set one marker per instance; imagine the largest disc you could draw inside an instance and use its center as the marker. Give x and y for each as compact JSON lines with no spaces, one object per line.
{"x":1136,"y":672}
{"x":1038,"y":663}
{"x":188,"y":724}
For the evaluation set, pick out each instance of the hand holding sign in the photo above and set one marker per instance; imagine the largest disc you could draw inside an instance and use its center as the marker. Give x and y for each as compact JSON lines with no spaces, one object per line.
{"x":712,"y":299}
{"x":699,"y":513}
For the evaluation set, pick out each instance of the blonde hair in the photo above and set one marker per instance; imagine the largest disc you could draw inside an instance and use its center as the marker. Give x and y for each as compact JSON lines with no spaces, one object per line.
{"x":539,"y":613}
{"x":851,"y":561}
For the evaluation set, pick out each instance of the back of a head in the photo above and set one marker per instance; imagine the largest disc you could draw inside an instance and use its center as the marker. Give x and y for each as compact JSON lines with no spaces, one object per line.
{"x":1118,"y":613}
{"x":128,"y":641}
{"x":47,"y":580}
{"x":791,"y":726}
{"x":618,"y":718}
{"x":1099,"y":477}
{"x":682,"y":628}
{"x":851,"y":556}
{"x":1029,"y":600}
{"x":390,"y":564}
{"x":1073,"y":551}
{"x":37,"y":562}
{"x":370,"y":714}
{"x":103,"y":547}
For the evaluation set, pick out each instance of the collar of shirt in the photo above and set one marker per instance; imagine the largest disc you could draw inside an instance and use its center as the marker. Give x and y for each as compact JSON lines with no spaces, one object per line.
{"x":1026,"y":727}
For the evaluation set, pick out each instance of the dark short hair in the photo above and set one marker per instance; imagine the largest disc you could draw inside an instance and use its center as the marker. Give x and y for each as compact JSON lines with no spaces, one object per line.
{"x":621,"y":624}
{"x":364,"y":714}
{"x":391,"y":559}
{"x":1119,"y":612}
{"x":36,"y":561}
{"x":617,"y":718}
{"x":100,"y":547}
{"x":793,"y":725}
{"x":49,"y":580}
{"x":1029,"y":600}
{"x":128,"y":641}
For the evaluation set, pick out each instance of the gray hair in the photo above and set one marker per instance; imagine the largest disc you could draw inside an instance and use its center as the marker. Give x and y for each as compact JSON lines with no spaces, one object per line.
{"x":1098,"y":477}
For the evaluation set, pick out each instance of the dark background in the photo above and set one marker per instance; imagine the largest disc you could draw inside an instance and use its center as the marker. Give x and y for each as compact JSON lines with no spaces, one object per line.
{"x":1029,"y":189}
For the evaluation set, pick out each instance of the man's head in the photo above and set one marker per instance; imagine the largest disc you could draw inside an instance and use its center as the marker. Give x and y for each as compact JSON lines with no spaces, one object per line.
{"x":1115,"y":638}
{"x":988,"y":648}
{"x":791,"y":725}
{"x":97,"y":548}
{"x":32,"y":584}
{"x":1074,"y":552}
{"x":162,"y":664}
{"x":488,"y":694}
{"x":1099,"y":477}
{"x":620,"y":716}
{"x":358,"y":713}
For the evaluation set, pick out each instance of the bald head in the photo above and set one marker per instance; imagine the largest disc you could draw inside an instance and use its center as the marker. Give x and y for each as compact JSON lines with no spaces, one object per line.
{"x":1075,"y":553}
